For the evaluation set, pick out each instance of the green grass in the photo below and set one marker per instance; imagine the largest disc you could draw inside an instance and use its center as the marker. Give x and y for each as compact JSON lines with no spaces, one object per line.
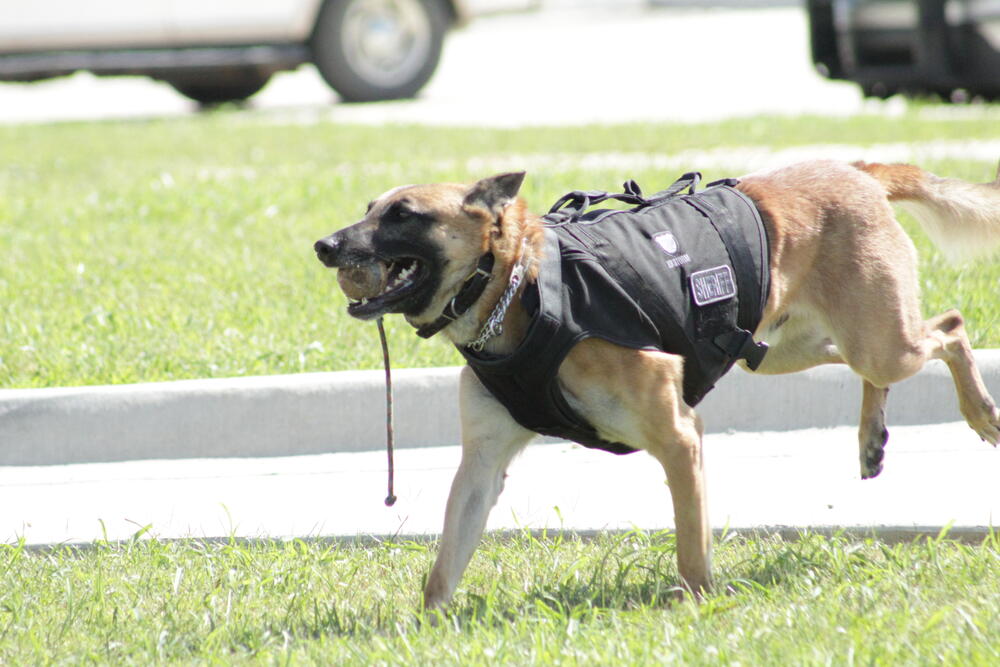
{"x":525,"y":600}
{"x":161,"y":250}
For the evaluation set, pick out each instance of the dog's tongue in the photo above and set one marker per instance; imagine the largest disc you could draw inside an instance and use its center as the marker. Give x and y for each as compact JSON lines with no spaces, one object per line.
{"x":363,"y":282}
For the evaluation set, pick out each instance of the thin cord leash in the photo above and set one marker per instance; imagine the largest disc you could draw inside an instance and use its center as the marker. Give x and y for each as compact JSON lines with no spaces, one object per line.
{"x":492,"y":328}
{"x":390,"y":499}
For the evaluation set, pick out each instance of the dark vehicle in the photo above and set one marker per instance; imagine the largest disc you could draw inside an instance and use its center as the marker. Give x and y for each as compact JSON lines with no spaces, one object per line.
{"x":914,"y":47}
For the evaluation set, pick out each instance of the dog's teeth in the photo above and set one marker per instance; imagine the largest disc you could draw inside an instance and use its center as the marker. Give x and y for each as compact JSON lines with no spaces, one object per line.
{"x":402,"y":279}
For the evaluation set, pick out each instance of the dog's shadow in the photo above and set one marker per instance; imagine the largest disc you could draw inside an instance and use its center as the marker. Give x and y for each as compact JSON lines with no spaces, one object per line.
{"x":624,"y":572}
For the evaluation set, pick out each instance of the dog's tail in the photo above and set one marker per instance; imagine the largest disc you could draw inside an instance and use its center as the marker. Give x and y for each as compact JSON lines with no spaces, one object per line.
{"x":962,"y":218}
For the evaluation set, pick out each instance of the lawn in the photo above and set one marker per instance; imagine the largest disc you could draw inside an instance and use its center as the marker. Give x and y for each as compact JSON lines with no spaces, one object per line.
{"x":555,"y":599}
{"x":171,"y":249}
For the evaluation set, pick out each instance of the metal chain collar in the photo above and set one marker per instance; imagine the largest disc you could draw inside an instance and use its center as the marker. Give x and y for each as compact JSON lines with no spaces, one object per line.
{"x":494,"y":325}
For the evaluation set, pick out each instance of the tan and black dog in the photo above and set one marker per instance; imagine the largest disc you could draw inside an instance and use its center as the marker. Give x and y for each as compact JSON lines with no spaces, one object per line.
{"x":843,"y":290}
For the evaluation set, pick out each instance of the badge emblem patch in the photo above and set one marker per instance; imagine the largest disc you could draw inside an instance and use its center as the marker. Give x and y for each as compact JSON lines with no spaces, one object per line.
{"x":667,"y":241}
{"x":668,"y":244}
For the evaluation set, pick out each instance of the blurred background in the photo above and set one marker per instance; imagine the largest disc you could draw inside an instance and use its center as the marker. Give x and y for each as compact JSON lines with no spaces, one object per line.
{"x":492,"y":62}
{"x":166,"y":165}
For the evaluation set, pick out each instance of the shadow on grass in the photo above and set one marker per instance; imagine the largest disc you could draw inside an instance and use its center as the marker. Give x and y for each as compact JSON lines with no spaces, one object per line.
{"x":637,"y":571}
{"x":322,"y":588}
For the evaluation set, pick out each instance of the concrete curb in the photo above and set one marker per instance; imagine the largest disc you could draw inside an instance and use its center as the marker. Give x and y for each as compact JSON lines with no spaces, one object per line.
{"x":314,"y":413}
{"x":970,"y":535}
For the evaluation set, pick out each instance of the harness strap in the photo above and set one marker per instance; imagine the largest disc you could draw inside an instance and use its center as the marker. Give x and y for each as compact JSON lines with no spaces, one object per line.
{"x":737,"y":344}
{"x":571,"y":206}
{"x":743,"y":265}
{"x":469,"y":293}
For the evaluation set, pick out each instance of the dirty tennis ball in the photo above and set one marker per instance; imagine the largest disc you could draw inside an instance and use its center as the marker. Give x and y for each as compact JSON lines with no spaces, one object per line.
{"x":363,"y":281}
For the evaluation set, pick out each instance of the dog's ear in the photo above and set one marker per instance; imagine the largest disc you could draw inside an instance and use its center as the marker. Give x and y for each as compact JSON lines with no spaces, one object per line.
{"x":495,"y":192}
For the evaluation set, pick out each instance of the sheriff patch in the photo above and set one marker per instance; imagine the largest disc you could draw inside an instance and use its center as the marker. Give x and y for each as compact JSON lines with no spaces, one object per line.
{"x":713,"y":285}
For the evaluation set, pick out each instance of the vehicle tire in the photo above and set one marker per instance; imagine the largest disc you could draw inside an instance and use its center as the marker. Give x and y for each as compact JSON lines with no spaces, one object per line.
{"x":369,"y":50}
{"x":985,"y":94}
{"x":878,"y":89}
{"x":210,"y":87}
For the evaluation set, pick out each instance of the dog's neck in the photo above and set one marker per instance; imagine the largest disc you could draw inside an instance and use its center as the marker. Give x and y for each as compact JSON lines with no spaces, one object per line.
{"x":493,"y":327}
{"x":466,"y":297}
{"x":514,"y":320}
{"x":526,"y":251}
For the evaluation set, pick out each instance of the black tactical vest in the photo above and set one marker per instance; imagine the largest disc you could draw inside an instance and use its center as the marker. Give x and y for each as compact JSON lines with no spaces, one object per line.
{"x":681,"y":273}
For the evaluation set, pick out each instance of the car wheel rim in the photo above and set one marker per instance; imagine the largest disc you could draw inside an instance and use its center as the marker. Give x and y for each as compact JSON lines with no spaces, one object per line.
{"x":386,"y":42}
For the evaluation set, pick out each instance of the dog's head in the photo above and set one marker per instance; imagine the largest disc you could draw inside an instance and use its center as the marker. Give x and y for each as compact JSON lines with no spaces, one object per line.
{"x":416,"y":245}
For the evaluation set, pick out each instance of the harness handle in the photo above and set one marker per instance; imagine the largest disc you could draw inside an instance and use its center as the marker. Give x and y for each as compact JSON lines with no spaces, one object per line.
{"x":690,"y":180}
{"x":572,"y":205}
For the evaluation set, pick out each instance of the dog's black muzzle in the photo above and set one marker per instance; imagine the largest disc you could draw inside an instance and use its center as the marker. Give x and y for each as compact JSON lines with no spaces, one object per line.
{"x":327,"y":250}
{"x":350,"y":246}
{"x":412,"y":273}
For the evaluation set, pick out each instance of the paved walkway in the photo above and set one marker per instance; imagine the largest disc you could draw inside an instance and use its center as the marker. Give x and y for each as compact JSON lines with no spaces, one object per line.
{"x":935,"y":475}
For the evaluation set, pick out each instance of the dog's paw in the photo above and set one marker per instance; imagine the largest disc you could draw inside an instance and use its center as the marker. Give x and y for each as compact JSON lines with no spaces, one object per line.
{"x":437,"y":594}
{"x":988,"y":426}
{"x":872,"y":467}
{"x":872,"y":453}
{"x":434,"y":618}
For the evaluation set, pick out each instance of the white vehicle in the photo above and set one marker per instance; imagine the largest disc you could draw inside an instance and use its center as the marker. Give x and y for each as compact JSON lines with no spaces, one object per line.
{"x":226,"y":50}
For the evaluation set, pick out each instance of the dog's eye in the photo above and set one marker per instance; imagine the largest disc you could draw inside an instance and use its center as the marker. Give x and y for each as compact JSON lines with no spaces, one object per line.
{"x":401,"y":212}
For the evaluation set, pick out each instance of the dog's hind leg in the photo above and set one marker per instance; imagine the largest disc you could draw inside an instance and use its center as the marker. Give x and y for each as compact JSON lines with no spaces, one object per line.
{"x":887,"y":350}
{"x":799,"y":343}
{"x":947,"y":340}
{"x":941,"y":337}
{"x":490,"y":440}
{"x":872,"y":434}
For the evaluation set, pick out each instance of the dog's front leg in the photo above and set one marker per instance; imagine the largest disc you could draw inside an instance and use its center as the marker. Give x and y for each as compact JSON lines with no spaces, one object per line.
{"x":682,"y":461}
{"x":636,"y":397}
{"x":490,"y":440}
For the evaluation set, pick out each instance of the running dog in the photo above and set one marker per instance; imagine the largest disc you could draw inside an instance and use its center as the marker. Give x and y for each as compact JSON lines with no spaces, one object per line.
{"x":460,"y":259}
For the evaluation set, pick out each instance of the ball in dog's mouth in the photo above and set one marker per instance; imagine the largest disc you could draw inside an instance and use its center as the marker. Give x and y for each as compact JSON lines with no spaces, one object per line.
{"x":363,"y":282}
{"x":373,"y":288}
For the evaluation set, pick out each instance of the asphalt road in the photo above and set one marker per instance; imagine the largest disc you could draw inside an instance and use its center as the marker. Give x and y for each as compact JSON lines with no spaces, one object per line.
{"x":598,"y":64}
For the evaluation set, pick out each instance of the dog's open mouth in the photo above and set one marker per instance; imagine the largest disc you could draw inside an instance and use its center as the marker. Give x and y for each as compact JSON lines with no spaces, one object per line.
{"x":401,"y":279}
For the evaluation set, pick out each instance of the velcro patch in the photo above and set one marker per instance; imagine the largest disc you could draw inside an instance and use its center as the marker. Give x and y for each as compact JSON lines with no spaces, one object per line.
{"x":713,"y":285}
